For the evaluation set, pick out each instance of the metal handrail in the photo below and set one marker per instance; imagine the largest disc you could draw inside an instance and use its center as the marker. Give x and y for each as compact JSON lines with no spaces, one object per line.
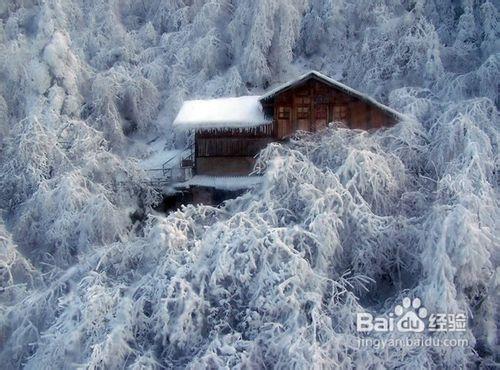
{"x":168,"y":167}
{"x":164,"y":165}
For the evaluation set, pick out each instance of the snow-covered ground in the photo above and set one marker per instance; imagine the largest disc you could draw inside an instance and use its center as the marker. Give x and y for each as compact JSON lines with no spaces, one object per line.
{"x":223,"y":183}
{"x":157,"y":156}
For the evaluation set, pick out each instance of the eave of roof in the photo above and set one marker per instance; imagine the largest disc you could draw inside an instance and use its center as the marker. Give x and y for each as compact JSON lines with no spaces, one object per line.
{"x":331,"y":82}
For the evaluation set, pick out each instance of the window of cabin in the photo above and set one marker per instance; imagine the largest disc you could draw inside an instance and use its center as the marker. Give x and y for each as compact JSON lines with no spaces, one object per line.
{"x":303,"y":112}
{"x":283,"y":112}
{"x":303,"y":107}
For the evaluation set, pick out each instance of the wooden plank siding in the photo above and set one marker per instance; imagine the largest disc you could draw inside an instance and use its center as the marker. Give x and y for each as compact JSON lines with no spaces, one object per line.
{"x":230,"y":152}
{"x":313,"y":105}
{"x":233,"y":142}
{"x":224,"y":166}
{"x":230,"y":146}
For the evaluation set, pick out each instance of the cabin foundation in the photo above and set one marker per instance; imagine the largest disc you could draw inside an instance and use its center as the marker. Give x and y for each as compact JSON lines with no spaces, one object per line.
{"x":213,"y":196}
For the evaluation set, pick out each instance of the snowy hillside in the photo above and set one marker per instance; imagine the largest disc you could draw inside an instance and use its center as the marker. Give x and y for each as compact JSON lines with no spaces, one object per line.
{"x":343,"y":221}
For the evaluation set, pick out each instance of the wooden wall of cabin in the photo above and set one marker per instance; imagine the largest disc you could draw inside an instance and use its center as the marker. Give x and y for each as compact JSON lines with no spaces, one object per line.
{"x":230,"y":152}
{"x":312,"y":105}
{"x":224,"y":166}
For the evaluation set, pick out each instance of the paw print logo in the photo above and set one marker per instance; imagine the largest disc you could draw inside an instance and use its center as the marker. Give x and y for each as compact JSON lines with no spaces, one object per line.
{"x":410,"y":315}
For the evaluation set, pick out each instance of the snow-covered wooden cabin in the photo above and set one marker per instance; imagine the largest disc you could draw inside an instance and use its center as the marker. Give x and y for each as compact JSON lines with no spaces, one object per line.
{"x":229,"y":132}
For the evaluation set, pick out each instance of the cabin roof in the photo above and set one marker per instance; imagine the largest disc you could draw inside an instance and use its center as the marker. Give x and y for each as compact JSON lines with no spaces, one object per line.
{"x":331,"y":82}
{"x":241,"y":112}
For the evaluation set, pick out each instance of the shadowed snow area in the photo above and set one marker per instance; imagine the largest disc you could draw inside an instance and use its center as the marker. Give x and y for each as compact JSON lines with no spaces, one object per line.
{"x":341,"y":221}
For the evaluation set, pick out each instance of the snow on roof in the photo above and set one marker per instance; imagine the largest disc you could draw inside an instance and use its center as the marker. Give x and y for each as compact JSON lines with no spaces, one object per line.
{"x":225,"y":182}
{"x":329,"y":81}
{"x":242,"y":112}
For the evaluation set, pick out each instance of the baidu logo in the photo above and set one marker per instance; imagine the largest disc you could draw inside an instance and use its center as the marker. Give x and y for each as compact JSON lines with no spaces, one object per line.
{"x":409,"y":317}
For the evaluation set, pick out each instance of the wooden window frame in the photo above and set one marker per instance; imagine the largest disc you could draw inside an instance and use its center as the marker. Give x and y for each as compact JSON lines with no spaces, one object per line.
{"x":303,"y":112}
{"x":283,"y":112}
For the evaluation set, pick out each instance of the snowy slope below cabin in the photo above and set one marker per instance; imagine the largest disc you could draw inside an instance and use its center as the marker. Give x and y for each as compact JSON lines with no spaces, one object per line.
{"x":223,"y":183}
{"x":158,"y":157}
